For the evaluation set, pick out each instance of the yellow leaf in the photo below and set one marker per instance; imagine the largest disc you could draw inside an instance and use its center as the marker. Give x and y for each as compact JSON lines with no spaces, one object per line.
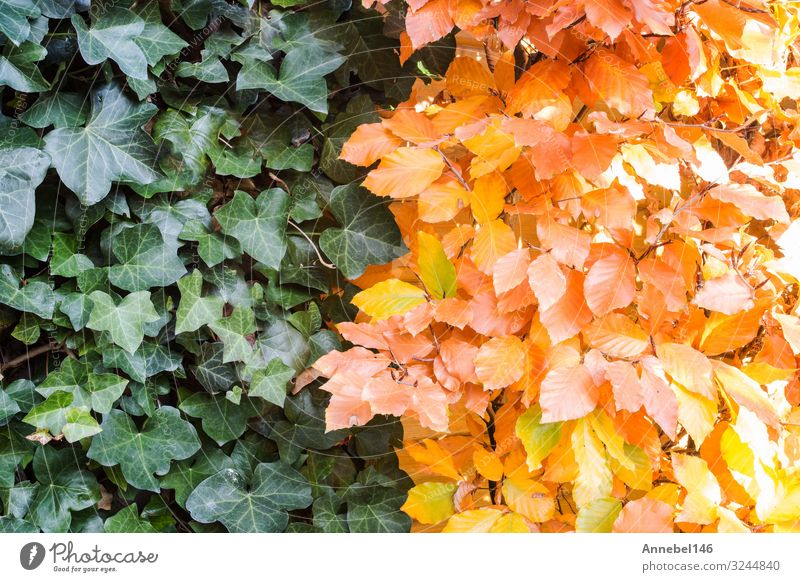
{"x":594,"y":479}
{"x":430,"y":502}
{"x":696,"y":413}
{"x":537,"y":437}
{"x":740,"y":460}
{"x":724,"y":333}
{"x":431,"y":454}
{"x":435,"y":269}
{"x":511,"y":523}
{"x":640,"y":474}
{"x":688,"y":367}
{"x":492,"y":241}
{"x":473,"y":521}
{"x":529,"y":498}
{"x":729,"y":522}
{"x":604,"y":427}
{"x":666,"y":492}
{"x":488,"y":197}
{"x":703,"y":494}
{"x":598,"y":516}
{"x":494,"y":149}
{"x":746,"y":392}
{"x":387,"y":298}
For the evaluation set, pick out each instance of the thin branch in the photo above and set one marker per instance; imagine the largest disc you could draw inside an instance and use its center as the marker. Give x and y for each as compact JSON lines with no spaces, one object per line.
{"x":29,"y":355}
{"x":313,"y":246}
{"x":453,"y":169}
{"x":748,"y":9}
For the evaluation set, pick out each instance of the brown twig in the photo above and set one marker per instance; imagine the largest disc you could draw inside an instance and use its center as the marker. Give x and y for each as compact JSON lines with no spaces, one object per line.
{"x":29,"y":355}
{"x":453,"y":169}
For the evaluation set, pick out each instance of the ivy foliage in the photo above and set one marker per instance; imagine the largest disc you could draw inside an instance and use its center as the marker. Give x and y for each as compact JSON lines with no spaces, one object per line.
{"x":175,"y":233}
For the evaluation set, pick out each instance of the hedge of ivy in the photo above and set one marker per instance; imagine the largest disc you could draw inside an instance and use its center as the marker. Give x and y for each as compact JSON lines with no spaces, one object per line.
{"x":175,"y":234}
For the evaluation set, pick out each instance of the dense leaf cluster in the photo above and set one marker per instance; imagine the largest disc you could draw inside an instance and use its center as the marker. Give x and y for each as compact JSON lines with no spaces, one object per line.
{"x":175,"y":233}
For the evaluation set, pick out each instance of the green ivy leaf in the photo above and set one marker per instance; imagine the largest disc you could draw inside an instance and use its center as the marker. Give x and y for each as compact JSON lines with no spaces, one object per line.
{"x":222,"y":420}
{"x":257,"y":505}
{"x":212,"y":247}
{"x":259,"y":225}
{"x":96,"y":391}
{"x":111,"y":147}
{"x":8,"y":406}
{"x":64,"y":487}
{"x":145,"y":260}
{"x":164,"y":437}
{"x":186,"y":475}
{"x":299,"y":80}
{"x":51,"y":415}
{"x":368,"y":232}
{"x":79,"y":424}
{"x":123,"y":320}
{"x":211,"y":370}
{"x":195,"y":311}
{"x":13,"y":449}
{"x":113,"y":36}
{"x":372,"y":509}
{"x":59,"y":109}
{"x":21,"y":171}
{"x":233,"y":332}
{"x":14,"y":18}
{"x":147,"y":361}
{"x":18,"y":67}
{"x":156,"y":40}
{"x":33,"y":297}
{"x":271,"y":382}
{"x":66,"y":261}
{"x":127,"y":520}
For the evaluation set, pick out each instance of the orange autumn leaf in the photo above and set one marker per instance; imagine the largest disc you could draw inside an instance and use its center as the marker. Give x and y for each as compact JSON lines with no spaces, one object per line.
{"x":510,"y":270}
{"x":429,"y":23}
{"x":610,"y":79}
{"x":616,"y":335}
{"x":494,"y":240}
{"x":547,"y":280}
{"x":369,"y":143}
{"x":412,"y":126}
{"x":645,"y":515}
{"x":442,"y":200}
{"x":620,"y":210}
{"x":488,"y":197}
{"x":499,"y":362}
{"x":405,"y":172}
{"x":728,"y":294}
{"x":567,"y":393}
{"x":611,"y":282}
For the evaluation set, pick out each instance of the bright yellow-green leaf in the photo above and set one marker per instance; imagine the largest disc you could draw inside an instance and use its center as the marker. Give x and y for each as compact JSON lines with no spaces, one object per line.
{"x":388,"y":298}
{"x":473,"y":521}
{"x":510,"y":523}
{"x":435,"y":269}
{"x":640,"y":474}
{"x":594,"y":478}
{"x":604,"y":427}
{"x":431,"y":502}
{"x":598,"y":516}
{"x":537,"y":437}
